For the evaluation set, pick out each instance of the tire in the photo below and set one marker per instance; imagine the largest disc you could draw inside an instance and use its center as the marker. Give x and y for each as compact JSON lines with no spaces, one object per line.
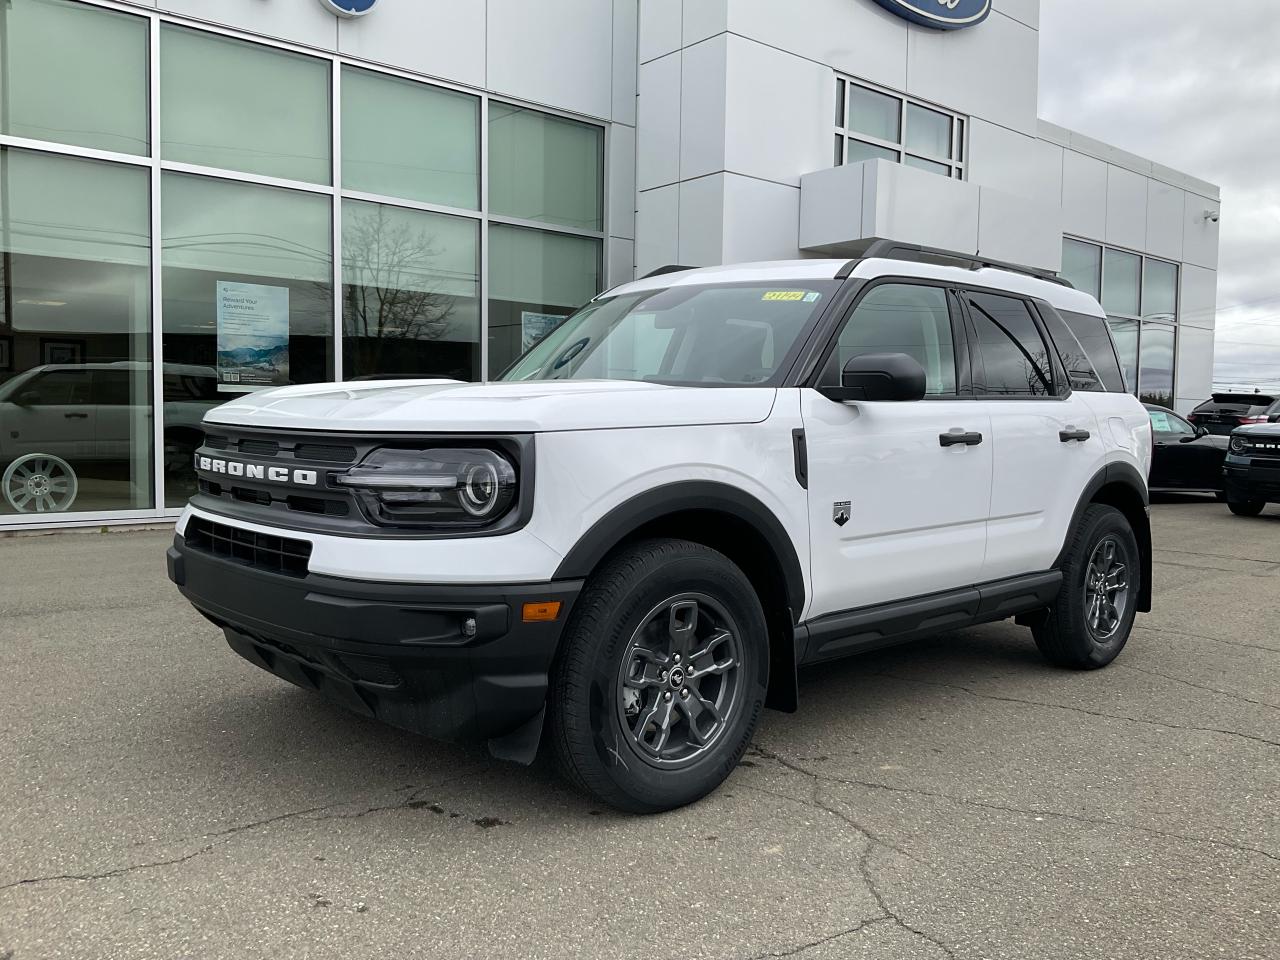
{"x":1074,"y":633}
{"x":1246,"y":508}
{"x":662,"y":598}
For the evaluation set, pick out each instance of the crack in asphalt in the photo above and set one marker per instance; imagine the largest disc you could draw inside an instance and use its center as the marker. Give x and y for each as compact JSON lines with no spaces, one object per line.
{"x":874,"y":842}
{"x":222,"y":835}
{"x":1217,"y":556}
{"x":1201,"y":636}
{"x":796,"y":951}
{"x":1198,"y":686}
{"x":1006,"y":808}
{"x":1091,"y":713}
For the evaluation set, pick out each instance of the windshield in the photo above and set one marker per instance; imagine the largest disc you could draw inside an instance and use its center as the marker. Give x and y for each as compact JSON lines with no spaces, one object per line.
{"x":736,"y":334}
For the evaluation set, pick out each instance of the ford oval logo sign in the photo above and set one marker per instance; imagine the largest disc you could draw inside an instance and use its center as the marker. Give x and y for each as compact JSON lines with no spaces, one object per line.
{"x":940,"y":14}
{"x":349,"y":8}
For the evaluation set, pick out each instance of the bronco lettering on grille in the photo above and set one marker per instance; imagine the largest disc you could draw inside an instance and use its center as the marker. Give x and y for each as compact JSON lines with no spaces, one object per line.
{"x":256,"y":471}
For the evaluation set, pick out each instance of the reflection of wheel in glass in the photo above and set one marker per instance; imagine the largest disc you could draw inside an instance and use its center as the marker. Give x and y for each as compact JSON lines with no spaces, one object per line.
{"x":40,"y":483}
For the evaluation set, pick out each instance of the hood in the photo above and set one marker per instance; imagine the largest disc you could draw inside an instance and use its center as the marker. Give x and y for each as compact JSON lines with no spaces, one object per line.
{"x":1268,"y":430}
{"x":447,"y":406}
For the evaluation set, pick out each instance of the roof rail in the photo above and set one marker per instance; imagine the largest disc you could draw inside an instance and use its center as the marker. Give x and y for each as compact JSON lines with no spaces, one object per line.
{"x":669,"y":268}
{"x":914,"y":252}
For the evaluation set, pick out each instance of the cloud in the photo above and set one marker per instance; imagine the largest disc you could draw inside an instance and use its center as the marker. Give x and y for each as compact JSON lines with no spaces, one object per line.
{"x":1196,"y":87}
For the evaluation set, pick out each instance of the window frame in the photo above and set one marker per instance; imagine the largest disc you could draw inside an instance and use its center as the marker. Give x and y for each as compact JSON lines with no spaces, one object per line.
{"x":957,"y":163}
{"x":959,"y":335}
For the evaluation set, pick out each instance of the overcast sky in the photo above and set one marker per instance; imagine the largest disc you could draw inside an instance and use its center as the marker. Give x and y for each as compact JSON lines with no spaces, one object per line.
{"x":1194,"y":86}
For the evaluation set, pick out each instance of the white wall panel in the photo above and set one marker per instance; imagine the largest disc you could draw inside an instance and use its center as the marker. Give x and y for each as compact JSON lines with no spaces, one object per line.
{"x":855,"y":37}
{"x":1165,"y":215}
{"x":658,"y":123}
{"x":660,"y":28}
{"x":702,"y":108}
{"x":760,"y":220}
{"x":834,"y":210}
{"x":1199,"y":303}
{"x":1126,"y":208}
{"x":1015,"y":163}
{"x":1019,"y":230}
{"x":1193,"y":380}
{"x":1200,"y":236}
{"x":1084,"y":195}
{"x":622,"y":181}
{"x":704,"y":18}
{"x":989,"y":72}
{"x":440,"y":40}
{"x":626,"y":28}
{"x":1024,"y":11}
{"x":657,"y":228}
{"x":620,"y":262}
{"x":702,"y":221}
{"x":556,"y":52}
{"x":302,"y":21}
{"x":780,"y":115}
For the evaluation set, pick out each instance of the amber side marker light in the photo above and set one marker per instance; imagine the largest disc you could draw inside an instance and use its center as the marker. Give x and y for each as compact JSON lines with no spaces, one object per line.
{"x":543,"y":612}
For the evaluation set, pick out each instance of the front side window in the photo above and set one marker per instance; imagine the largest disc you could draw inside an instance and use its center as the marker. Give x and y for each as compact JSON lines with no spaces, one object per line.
{"x":1170,"y":424}
{"x":721,"y":335}
{"x":901,"y":318}
{"x":1015,"y":361}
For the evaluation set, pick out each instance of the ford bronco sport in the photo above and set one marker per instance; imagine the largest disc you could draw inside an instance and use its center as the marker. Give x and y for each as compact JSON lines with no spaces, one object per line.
{"x":626,"y":546}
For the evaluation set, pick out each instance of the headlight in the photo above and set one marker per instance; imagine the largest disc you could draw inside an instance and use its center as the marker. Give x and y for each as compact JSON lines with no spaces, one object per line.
{"x":445,"y":487}
{"x":1239,"y":444}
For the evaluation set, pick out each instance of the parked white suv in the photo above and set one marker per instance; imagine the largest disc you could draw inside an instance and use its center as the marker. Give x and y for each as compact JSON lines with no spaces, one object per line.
{"x":696,"y":483}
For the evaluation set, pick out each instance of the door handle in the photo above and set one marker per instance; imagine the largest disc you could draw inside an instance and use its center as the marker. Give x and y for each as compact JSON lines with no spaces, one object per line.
{"x":958,"y":437}
{"x":1071,"y":433}
{"x":76,"y":416}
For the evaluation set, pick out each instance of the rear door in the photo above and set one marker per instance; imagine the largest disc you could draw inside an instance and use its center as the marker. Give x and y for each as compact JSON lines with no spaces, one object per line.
{"x":1046,"y":444}
{"x":52,"y":413}
{"x":897,"y":505}
{"x":1180,"y":459}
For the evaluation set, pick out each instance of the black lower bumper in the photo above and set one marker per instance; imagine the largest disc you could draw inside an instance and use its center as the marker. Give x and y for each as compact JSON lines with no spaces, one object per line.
{"x":1245,"y":481}
{"x":450,"y":662}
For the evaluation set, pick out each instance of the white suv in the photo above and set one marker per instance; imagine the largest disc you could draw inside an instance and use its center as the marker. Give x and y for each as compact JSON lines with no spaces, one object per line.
{"x":697,"y":483}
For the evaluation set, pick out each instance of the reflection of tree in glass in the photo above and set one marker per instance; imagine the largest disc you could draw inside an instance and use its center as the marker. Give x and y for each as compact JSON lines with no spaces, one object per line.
{"x":391,"y":294}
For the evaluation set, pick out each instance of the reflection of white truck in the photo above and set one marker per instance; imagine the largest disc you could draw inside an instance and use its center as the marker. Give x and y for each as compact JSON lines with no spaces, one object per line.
{"x":55,"y":417}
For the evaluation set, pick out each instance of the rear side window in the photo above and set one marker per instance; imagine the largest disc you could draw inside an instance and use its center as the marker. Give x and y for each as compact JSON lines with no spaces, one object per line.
{"x":1014,"y":358}
{"x":1094,"y":337}
{"x":901,"y":318}
{"x":1075,"y":359}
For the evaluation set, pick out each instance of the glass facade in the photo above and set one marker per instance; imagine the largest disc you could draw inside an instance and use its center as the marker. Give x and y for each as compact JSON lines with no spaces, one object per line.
{"x":240,"y":215}
{"x":1140,"y":296}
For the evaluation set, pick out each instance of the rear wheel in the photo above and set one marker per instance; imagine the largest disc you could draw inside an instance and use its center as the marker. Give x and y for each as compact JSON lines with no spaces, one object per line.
{"x":1246,"y":508}
{"x":1090,"y":621}
{"x":661,"y":678}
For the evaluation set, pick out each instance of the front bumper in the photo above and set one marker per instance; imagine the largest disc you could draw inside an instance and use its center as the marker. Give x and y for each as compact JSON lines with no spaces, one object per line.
{"x":401,"y":653}
{"x":1247,"y":478}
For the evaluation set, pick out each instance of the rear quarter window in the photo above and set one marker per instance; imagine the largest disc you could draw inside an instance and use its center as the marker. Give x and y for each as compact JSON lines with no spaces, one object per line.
{"x":1094,"y":337}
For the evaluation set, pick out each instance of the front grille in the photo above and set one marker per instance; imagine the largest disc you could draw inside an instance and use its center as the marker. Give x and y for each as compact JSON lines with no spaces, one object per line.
{"x":324,"y":453}
{"x":258,"y":550}
{"x":260,"y":448}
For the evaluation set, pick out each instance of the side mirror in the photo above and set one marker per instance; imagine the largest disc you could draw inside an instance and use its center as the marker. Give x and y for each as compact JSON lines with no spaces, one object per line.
{"x":879,"y":376}
{"x":27,"y":398}
{"x":1202,"y":431}
{"x":1191,"y":439}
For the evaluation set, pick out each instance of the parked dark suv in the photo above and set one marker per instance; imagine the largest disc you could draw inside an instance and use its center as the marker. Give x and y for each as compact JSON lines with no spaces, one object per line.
{"x":1252,"y":470}
{"x":1223,"y":412}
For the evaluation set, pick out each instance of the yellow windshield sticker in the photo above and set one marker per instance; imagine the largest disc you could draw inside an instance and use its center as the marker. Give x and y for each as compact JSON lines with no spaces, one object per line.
{"x":784,"y":295}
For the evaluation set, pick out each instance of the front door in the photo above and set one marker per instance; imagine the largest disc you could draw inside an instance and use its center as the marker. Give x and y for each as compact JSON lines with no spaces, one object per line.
{"x":896,"y":509}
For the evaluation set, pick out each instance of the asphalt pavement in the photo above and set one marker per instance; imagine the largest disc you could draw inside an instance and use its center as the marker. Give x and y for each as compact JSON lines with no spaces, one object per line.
{"x":953,"y":798}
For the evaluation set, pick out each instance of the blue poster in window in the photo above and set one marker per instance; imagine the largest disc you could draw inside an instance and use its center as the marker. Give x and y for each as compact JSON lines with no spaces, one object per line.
{"x":253,"y":336}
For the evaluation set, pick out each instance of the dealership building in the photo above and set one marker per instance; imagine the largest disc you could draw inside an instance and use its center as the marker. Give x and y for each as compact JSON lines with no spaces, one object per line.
{"x":204,"y":197}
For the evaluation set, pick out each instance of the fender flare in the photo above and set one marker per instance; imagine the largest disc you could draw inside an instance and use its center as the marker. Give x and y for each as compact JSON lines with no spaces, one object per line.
{"x":1126,"y":475}
{"x":706,"y":495}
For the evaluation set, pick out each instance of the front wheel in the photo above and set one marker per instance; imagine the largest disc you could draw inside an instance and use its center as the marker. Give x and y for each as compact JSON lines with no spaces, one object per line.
{"x":661,"y":677}
{"x":1246,"y":508}
{"x":1089,"y":622}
